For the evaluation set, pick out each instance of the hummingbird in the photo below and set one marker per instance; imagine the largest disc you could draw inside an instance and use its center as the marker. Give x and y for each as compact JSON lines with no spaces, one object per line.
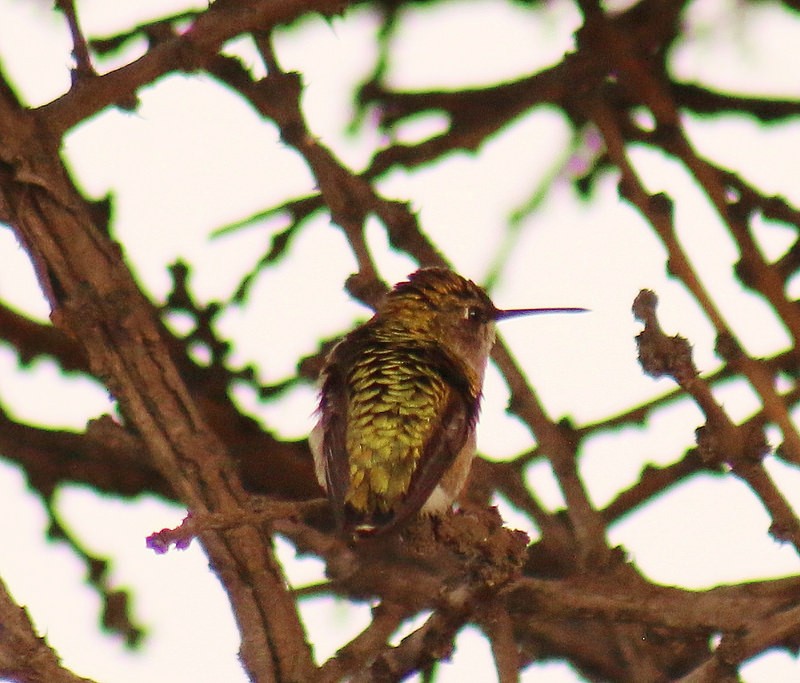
{"x":399,"y":401}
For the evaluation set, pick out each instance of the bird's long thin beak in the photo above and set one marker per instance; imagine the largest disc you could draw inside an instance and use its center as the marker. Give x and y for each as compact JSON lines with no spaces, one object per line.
{"x":502,"y":314}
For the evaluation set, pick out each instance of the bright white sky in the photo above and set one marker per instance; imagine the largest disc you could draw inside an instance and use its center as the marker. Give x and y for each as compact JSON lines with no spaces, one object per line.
{"x":193,"y":158}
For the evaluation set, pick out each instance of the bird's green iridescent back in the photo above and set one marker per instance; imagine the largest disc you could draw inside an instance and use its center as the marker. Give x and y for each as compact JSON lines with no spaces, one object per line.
{"x":396,"y":399}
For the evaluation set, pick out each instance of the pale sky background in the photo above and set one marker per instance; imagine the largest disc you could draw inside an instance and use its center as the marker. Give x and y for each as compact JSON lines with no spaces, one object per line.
{"x":193,"y":158}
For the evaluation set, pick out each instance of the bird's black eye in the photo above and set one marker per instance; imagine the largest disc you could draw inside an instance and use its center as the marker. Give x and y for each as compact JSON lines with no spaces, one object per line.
{"x":473,"y":313}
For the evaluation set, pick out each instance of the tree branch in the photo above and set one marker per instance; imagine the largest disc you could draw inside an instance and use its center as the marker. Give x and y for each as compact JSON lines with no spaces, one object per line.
{"x":24,"y":656}
{"x":95,"y":299}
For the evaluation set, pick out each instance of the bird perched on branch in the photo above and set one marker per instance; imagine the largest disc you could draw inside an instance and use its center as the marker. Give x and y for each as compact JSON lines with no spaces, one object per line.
{"x":400,"y":399}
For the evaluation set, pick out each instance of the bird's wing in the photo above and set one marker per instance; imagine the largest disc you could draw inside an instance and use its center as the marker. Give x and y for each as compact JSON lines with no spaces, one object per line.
{"x":333,"y":425}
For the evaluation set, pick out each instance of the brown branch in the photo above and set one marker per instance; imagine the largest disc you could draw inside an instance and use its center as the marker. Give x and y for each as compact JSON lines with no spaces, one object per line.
{"x":741,"y":447}
{"x":475,"y":115}
{"x":80,"y":50}
{"x":725,"y":192}
{"x":560,"y":444}
{"x":499,"y":629}
{"x":703,"y":100}
{"x":106,"y":457}
{"x":624,"y":597}
{"x":734,"y":649}
{"x":24,"y":656}
{"x":189,"y":51}
{"x":431,"y":642}
{"x":365,"y":647}
{"x":652,"y":482}
{"x":116,"y":613}
{"x":349,"y":197}
{"x":109,"y":457}
{"x":32,"y":339}
{"x":669,"y":134}
{"x":96,"y":300}
{"x":260,"y":512}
